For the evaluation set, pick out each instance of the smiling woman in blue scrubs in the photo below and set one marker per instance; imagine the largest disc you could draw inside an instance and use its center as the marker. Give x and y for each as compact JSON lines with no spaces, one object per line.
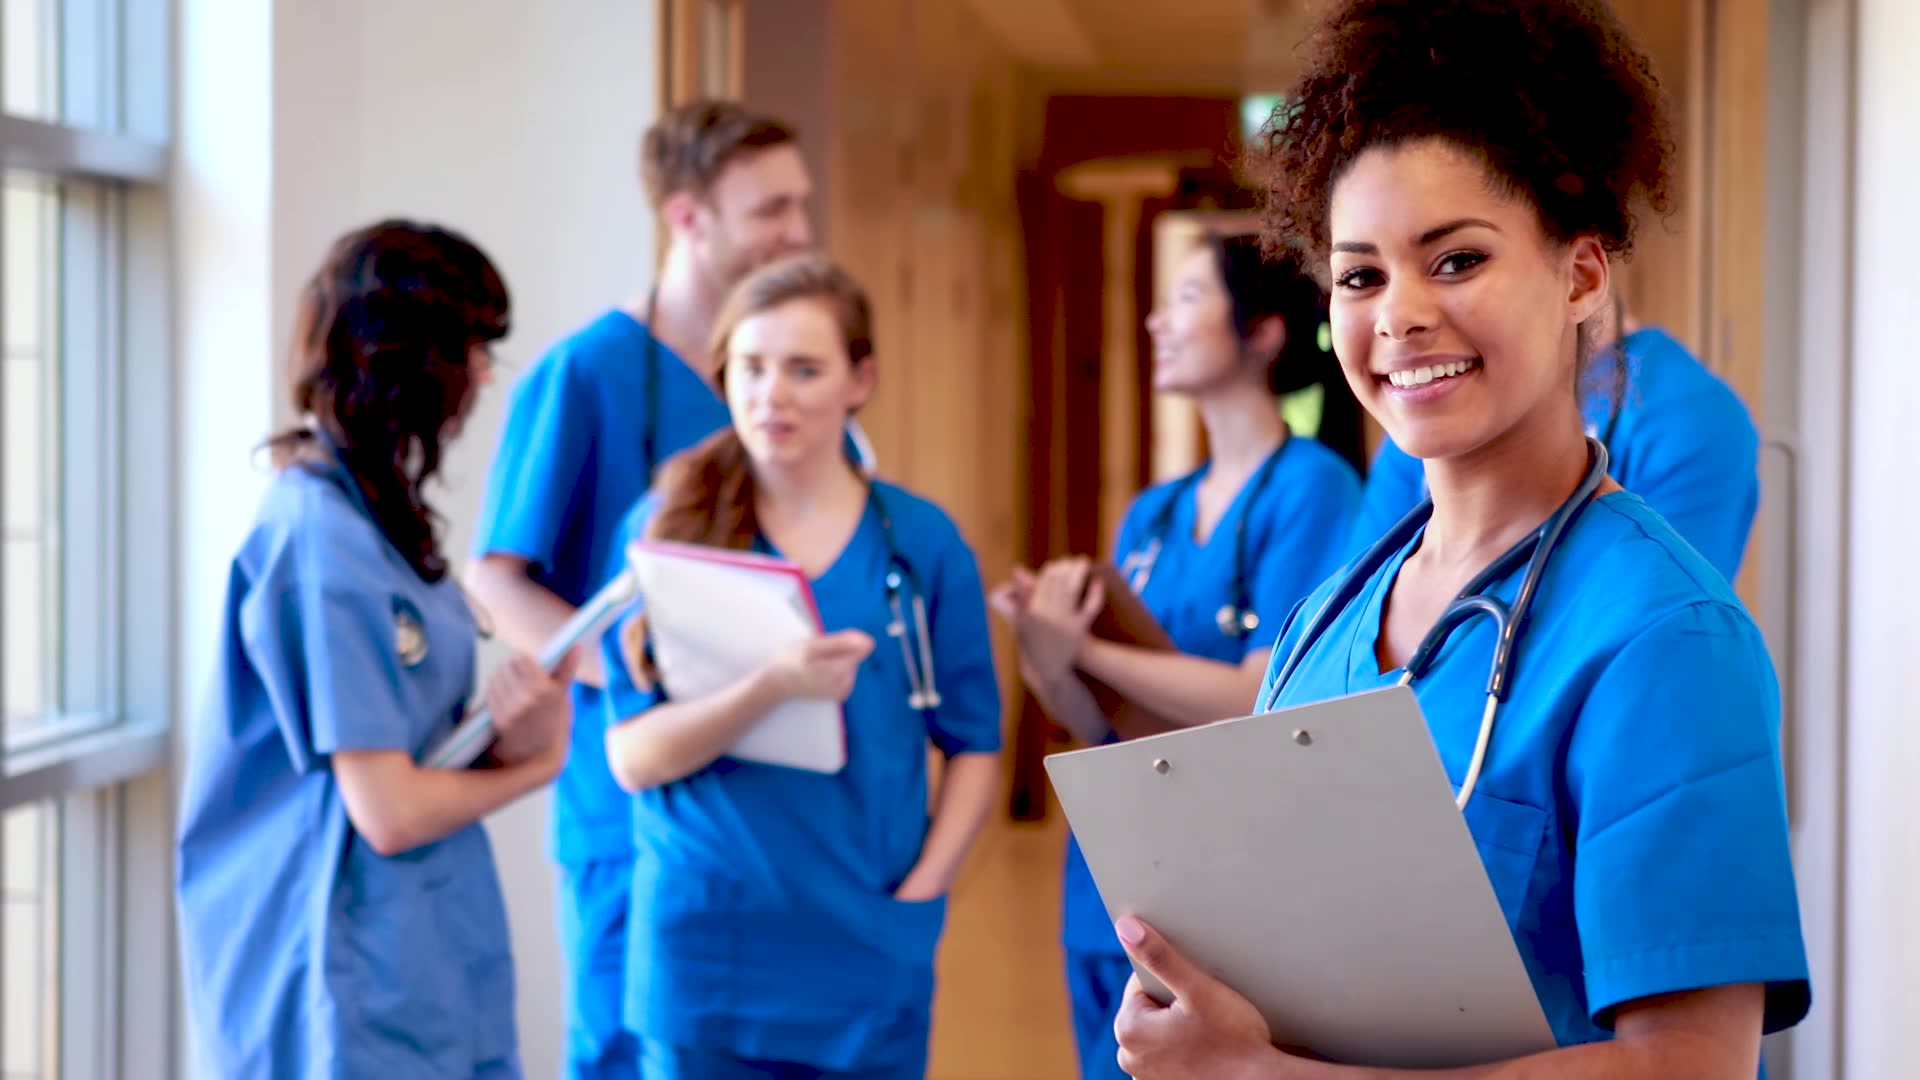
{"x":1630,"y":814}
{"x":1677,"y":436}
{"x":339,"y":909}
{"x":784,"y":922}
{"x":1218,"y":557}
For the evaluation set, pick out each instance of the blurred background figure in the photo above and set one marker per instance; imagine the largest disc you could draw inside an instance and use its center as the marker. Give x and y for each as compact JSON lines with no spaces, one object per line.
{"x":1218,"y":556}
{"x":784,"y":921}
{"x":339,"y":906}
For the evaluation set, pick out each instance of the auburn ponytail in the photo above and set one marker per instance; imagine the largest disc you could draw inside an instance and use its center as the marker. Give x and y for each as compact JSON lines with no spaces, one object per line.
{"x":705,"y":497}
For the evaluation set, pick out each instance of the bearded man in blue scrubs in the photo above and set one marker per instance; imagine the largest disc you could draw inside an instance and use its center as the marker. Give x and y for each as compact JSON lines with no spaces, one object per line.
{"x":586,"y":428}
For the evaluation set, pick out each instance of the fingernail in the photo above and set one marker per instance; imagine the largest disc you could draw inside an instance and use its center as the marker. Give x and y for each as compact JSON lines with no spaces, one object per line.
{"x":1130,"y":930}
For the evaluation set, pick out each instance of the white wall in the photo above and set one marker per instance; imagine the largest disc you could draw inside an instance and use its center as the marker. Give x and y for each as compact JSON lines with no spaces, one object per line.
{"x":1882,"y":908}
{"x":514,"y":122}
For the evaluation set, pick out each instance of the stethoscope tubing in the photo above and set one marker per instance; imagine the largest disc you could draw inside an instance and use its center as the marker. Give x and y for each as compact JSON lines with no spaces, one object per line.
{"x":1235,"y":618}
{"x":1536,"y":549}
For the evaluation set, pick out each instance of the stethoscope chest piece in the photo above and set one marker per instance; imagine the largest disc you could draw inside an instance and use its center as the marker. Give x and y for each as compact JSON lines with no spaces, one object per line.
{"x":1235,"y":621}
{"x":923,"y":693}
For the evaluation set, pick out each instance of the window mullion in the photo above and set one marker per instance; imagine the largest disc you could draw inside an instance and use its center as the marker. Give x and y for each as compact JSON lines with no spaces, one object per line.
{"x":109,"y":470}
{"x":82,"y":360}
{"x":87,"y":1029}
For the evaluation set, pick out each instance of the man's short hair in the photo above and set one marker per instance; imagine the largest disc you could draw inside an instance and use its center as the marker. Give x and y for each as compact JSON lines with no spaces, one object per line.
{"x":689,"y":146}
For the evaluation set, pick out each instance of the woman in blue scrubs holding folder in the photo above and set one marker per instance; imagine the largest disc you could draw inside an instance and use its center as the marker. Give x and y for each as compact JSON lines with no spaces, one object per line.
{"x":1217,"y":557}
{"x":339,"y":910}
{"x":784,"y":921}
{"x":1469,"y":171}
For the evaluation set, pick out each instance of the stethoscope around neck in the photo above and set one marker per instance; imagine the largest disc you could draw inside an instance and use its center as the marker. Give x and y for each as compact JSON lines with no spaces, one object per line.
{"x":907,"y":599}
{"x":1235,"y":618}
{"x":1535,"y":549}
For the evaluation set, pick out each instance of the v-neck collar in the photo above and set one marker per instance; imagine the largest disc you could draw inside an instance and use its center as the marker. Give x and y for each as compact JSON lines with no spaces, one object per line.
{"x":1187,"y":511}
{"x":660,"y":350}
{"x":833,"y":568}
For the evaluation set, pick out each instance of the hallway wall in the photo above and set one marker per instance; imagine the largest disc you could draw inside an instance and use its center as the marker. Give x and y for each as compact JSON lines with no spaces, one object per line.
{"x":918,"y":203}
{"x":1882,"y":633}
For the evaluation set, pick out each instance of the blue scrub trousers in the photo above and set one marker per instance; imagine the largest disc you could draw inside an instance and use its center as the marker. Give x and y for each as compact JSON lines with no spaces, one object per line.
{"x":593,"y":938}
{"x":661,"y":1062}
{"x":1097,"y":982}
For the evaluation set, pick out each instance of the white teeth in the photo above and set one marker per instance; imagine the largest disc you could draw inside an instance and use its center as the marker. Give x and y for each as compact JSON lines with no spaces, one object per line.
{"x":1422,"y":376}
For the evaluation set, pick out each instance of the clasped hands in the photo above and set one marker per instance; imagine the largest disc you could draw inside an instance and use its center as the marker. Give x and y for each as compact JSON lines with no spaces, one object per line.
{"x":1050,"y":612}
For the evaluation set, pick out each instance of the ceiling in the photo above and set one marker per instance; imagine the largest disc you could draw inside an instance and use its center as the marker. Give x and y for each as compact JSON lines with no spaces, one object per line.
{"x":1154,"y":46}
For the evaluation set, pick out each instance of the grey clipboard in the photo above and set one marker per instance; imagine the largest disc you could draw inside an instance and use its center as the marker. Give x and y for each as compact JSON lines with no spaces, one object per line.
{"x":1313,"y":860}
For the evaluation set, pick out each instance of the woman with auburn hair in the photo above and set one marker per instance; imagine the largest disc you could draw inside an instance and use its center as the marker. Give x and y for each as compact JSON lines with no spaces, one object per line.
{"x":784,"y":922}
{"x":339,"y":909}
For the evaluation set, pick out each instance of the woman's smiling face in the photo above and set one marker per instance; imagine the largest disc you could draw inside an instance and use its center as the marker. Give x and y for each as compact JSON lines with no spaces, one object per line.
{"x":1454,"y":314}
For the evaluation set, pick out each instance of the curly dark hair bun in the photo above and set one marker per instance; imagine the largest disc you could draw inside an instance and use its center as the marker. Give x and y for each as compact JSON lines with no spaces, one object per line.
{"x":1555,"y":96}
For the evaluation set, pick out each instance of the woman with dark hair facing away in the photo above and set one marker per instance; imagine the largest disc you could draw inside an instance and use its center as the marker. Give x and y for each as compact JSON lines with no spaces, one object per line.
{"x":784,"y":921}
{"x":339,"y":909}
{"x":1217,"y":558}
{"x":1470,"y":170}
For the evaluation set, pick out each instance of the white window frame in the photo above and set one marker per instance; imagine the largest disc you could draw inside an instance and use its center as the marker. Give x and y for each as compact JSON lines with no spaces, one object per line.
{"x":104,"y":770}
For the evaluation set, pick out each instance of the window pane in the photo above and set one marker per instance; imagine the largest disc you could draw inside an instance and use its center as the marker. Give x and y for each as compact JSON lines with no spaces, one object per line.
{"x":29,"y":919}
{"x":30,"y":65}
{"x":27,"y":452}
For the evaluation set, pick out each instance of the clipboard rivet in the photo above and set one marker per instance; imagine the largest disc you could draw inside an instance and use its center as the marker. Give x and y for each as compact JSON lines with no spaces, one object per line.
{"x":1303,"y":737}
{"x":1160,"y":766}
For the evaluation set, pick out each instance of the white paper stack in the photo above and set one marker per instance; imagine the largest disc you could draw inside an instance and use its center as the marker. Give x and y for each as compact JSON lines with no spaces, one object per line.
{"x":713,"y":616}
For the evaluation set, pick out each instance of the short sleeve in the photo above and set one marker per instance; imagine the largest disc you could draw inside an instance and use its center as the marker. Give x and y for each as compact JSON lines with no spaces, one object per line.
{"x":1396,"y":483}
{"x":329,"y":662}
{"x":538,"y":467}
{"x":625,"y":698}
{"x":1305,"y":541}
{"x":967,"y":720}
{"x":1682,"y":871}
{"x":1701,"y":471}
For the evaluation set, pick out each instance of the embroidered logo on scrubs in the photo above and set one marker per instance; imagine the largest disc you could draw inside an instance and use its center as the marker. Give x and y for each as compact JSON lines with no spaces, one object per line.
{"x":409,"y":633}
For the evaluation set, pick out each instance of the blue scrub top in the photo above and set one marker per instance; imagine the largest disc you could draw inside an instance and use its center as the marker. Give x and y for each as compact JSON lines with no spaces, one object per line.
{"x":307,"y":953}
{"x":1631,"y":813}
{"x":763,"y":923}
{"x":1683,"y":441}
{"x":1295,"y":538}
{"x":571,"y":462}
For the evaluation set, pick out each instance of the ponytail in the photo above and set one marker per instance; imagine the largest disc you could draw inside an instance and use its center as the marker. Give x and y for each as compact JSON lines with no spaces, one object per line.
{"x":705,"y":497}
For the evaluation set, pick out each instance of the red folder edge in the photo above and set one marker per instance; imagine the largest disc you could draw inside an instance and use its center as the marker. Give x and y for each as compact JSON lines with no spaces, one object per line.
{"x":767,"y":564}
